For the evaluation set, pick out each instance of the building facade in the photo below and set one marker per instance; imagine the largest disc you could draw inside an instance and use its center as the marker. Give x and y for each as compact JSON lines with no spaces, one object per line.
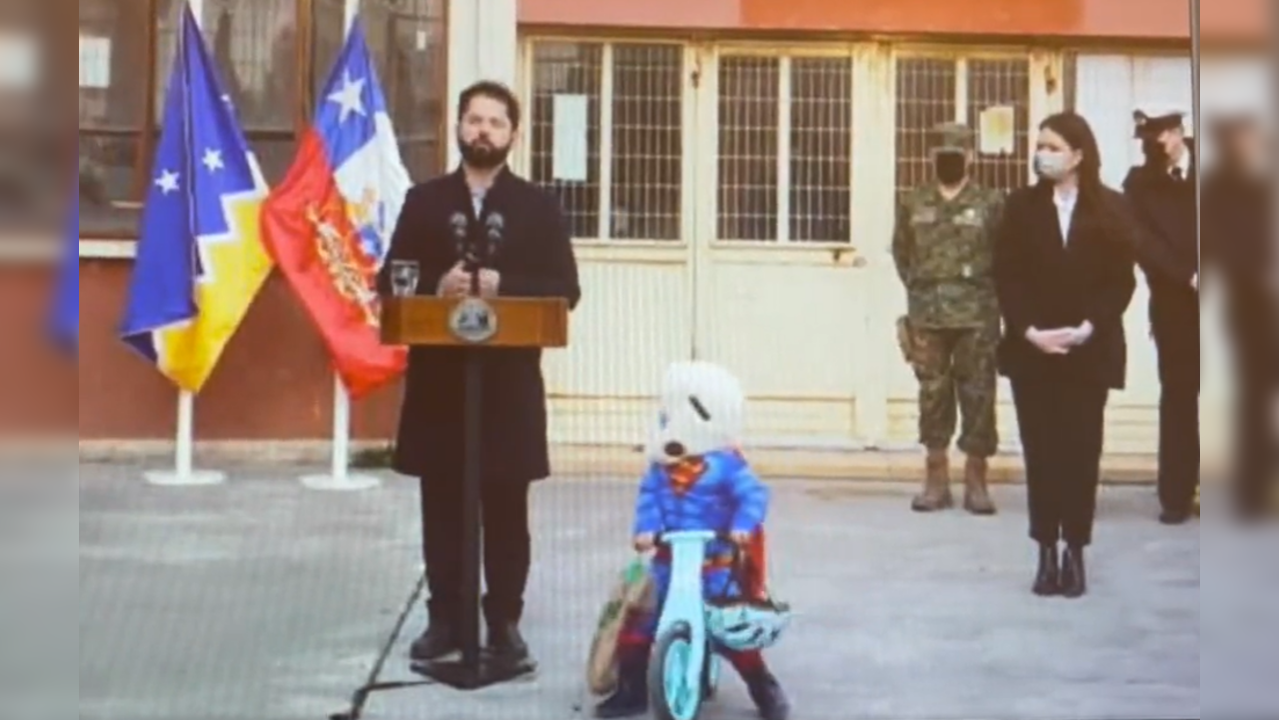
{"x":729,"y":169}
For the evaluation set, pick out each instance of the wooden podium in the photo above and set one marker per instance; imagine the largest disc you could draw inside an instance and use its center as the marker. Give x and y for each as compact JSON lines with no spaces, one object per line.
{"x":478,"y":326}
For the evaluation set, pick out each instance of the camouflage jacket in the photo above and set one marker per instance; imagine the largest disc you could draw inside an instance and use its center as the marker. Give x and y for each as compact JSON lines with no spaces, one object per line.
{"x":944,"y":251}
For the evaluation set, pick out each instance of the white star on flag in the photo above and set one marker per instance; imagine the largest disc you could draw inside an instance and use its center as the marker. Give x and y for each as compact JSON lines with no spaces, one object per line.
{"x":349,"y":97}
{"x":213,"y":160}
{"x":167,"y":182}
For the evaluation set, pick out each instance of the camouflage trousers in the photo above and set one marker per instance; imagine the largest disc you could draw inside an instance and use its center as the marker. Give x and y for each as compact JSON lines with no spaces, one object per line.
{"x":957,"y":367}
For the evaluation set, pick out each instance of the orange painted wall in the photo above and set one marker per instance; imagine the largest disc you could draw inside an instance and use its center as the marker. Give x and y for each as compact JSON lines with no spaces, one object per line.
{"x":1089,"y":19}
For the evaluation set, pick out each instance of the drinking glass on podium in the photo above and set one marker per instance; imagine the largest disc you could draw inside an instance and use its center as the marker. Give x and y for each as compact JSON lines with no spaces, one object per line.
{"x":405,"y":276}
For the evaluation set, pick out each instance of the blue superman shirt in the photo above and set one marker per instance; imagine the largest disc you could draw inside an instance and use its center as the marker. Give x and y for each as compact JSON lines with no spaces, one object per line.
{"x":717,"y":491}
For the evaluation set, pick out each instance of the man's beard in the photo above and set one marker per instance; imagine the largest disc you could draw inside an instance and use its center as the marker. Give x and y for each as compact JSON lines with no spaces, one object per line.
{"x":482,"y":156}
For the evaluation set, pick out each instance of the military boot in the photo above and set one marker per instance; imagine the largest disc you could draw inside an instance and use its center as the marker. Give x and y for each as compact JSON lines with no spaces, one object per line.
{"x":976,"y":496}
{"x":936,"y":494}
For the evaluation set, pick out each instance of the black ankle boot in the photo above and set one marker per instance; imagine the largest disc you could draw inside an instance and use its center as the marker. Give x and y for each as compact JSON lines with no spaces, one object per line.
{"x":438,"y":642}
{"x":1074,"y":582}
{"x":767,"y":695}
{"x":1047,"y":580}
{"x":630,"y":699}
{"x":506,"y":644}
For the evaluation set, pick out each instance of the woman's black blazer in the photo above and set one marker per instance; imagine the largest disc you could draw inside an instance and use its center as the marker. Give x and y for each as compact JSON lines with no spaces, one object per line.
{"x":1047,"y":282}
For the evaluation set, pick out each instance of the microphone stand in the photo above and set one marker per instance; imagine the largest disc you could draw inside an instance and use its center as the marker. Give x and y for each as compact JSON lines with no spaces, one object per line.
{"x":473,"y":669}
{"x":476,"y":669}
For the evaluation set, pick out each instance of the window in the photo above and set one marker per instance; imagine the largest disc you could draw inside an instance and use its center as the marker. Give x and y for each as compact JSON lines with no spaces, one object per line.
{"x":407,"y":41}
{"x":606,"y":135}
{"x":270,"y":73}
{"x":115,"y":100}
{"x":933,"y":90}
{"x":33,"y":148}
{"x":785,"y":146}
{"x":926,"y":91}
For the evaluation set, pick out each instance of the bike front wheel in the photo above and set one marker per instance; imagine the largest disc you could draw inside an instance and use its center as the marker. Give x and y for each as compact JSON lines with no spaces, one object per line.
{"x":672,"y":697}
{"x":710,"y":677}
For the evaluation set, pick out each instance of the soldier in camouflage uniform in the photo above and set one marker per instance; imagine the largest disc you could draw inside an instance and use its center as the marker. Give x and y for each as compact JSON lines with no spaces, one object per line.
{"x":943,"y":245}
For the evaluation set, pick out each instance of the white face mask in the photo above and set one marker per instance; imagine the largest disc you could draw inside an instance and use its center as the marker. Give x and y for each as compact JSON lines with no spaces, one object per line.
{"x":1052,"y":165}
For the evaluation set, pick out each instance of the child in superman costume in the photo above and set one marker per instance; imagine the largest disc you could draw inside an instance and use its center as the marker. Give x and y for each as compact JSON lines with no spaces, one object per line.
{"x":698,"y":480}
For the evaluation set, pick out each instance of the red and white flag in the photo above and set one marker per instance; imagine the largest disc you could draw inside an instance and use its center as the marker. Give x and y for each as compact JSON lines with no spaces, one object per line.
{"x":328,"y":225}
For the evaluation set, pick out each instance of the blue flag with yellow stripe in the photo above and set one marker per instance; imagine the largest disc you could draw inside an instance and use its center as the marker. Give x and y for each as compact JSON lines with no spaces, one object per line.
{"x":200,"y":261}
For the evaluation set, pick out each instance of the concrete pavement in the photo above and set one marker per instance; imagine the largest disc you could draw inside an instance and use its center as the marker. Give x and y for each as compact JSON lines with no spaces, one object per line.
{"x":260,"y":600}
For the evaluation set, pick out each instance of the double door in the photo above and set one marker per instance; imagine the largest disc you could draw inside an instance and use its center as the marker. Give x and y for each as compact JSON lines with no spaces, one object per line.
{"x":734,"y":203}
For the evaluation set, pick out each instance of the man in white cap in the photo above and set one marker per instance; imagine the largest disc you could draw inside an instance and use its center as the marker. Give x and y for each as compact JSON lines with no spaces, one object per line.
{"x":1163,"y":195}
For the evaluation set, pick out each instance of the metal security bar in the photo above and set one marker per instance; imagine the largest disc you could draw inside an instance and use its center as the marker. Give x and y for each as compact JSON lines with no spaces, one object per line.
{"x":785,"y":149}
{"x":607,"y":136}
{"x":926,"y":92}
{"x":821,"y":142}
{"x":998,"y":84}
{"x":647,"y":148}
{"x":989,"y":94}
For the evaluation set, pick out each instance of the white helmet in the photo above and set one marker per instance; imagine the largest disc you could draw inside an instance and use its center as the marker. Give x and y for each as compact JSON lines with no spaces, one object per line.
{"x":745,"y":626}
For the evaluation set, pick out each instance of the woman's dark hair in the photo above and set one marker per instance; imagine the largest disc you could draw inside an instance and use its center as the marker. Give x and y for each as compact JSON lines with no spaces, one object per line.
{"x":494,"y":91}
{"x":1093,"y":195}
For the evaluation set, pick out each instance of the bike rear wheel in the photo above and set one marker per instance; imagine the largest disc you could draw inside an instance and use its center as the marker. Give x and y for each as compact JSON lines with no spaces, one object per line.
{"x":671,"y":695}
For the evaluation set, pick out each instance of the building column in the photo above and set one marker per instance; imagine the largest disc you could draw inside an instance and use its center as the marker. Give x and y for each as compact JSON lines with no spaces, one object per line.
{"x":482,"y":45}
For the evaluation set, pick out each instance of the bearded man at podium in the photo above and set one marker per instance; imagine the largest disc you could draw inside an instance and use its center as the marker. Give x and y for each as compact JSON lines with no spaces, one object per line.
{"x":482,"y":229}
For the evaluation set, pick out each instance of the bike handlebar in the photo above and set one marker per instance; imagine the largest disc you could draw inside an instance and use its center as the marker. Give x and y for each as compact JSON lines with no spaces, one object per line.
{"x":660,"y":539}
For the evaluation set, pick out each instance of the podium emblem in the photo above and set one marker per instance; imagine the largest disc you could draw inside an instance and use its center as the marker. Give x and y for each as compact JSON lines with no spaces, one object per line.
{"x":473,"y":321}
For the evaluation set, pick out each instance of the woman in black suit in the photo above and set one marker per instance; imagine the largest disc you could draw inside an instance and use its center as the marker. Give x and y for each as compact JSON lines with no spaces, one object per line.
{"x":1064,"y":262}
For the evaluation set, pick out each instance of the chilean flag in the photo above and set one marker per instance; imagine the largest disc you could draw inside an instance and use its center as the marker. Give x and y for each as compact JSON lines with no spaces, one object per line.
{"x":329,"y":223}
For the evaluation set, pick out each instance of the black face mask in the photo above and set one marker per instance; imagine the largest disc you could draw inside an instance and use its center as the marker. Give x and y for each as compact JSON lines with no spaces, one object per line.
{"x":1153,"y":150}
{"x":951,"y":168}
{"x":482,"y":156}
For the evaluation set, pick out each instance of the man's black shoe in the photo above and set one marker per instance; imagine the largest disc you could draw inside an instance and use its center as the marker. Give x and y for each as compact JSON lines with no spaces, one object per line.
{"x":1172,"y":516}
{"x":506,"y":644}
{"x":438,"y":642}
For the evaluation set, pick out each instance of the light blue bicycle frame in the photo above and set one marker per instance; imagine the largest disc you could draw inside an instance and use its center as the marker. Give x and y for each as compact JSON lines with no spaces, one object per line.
{"x":684,"y":600}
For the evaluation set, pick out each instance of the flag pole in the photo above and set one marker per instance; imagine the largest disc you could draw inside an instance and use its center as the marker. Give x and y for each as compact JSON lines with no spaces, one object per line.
{"x":340,"y":477}
{"x":184,"y":473}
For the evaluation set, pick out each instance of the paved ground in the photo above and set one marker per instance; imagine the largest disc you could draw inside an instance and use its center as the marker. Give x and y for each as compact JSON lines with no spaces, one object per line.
{"x":259,"y":600}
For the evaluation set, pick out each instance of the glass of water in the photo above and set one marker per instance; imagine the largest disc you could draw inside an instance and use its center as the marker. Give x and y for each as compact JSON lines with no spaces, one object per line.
{"x":404,"y":278}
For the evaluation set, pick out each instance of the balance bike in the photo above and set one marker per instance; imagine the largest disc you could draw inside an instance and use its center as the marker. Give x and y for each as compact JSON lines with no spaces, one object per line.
{"x":684,"y":672}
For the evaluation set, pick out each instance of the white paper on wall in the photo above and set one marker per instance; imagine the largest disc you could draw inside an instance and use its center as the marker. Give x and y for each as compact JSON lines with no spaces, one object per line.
{"x":95,"y":62}
{"x":998,"y":131}
{"x":570,"y":138}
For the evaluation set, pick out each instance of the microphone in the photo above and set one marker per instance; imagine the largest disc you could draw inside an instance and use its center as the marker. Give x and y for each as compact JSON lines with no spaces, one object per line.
{"x":461,"y":237}
{"x":458,"y":223}
{"x":494,"y":224}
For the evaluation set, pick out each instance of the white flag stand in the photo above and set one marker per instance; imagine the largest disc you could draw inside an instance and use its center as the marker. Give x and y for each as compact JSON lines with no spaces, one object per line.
{"x":184,"y":474}
{"x":340,"y":478}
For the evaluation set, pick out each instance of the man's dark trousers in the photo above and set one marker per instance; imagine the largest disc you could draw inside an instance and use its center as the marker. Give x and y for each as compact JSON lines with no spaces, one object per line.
{"x":1176,"y":330}
{"x":506,"y":548}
